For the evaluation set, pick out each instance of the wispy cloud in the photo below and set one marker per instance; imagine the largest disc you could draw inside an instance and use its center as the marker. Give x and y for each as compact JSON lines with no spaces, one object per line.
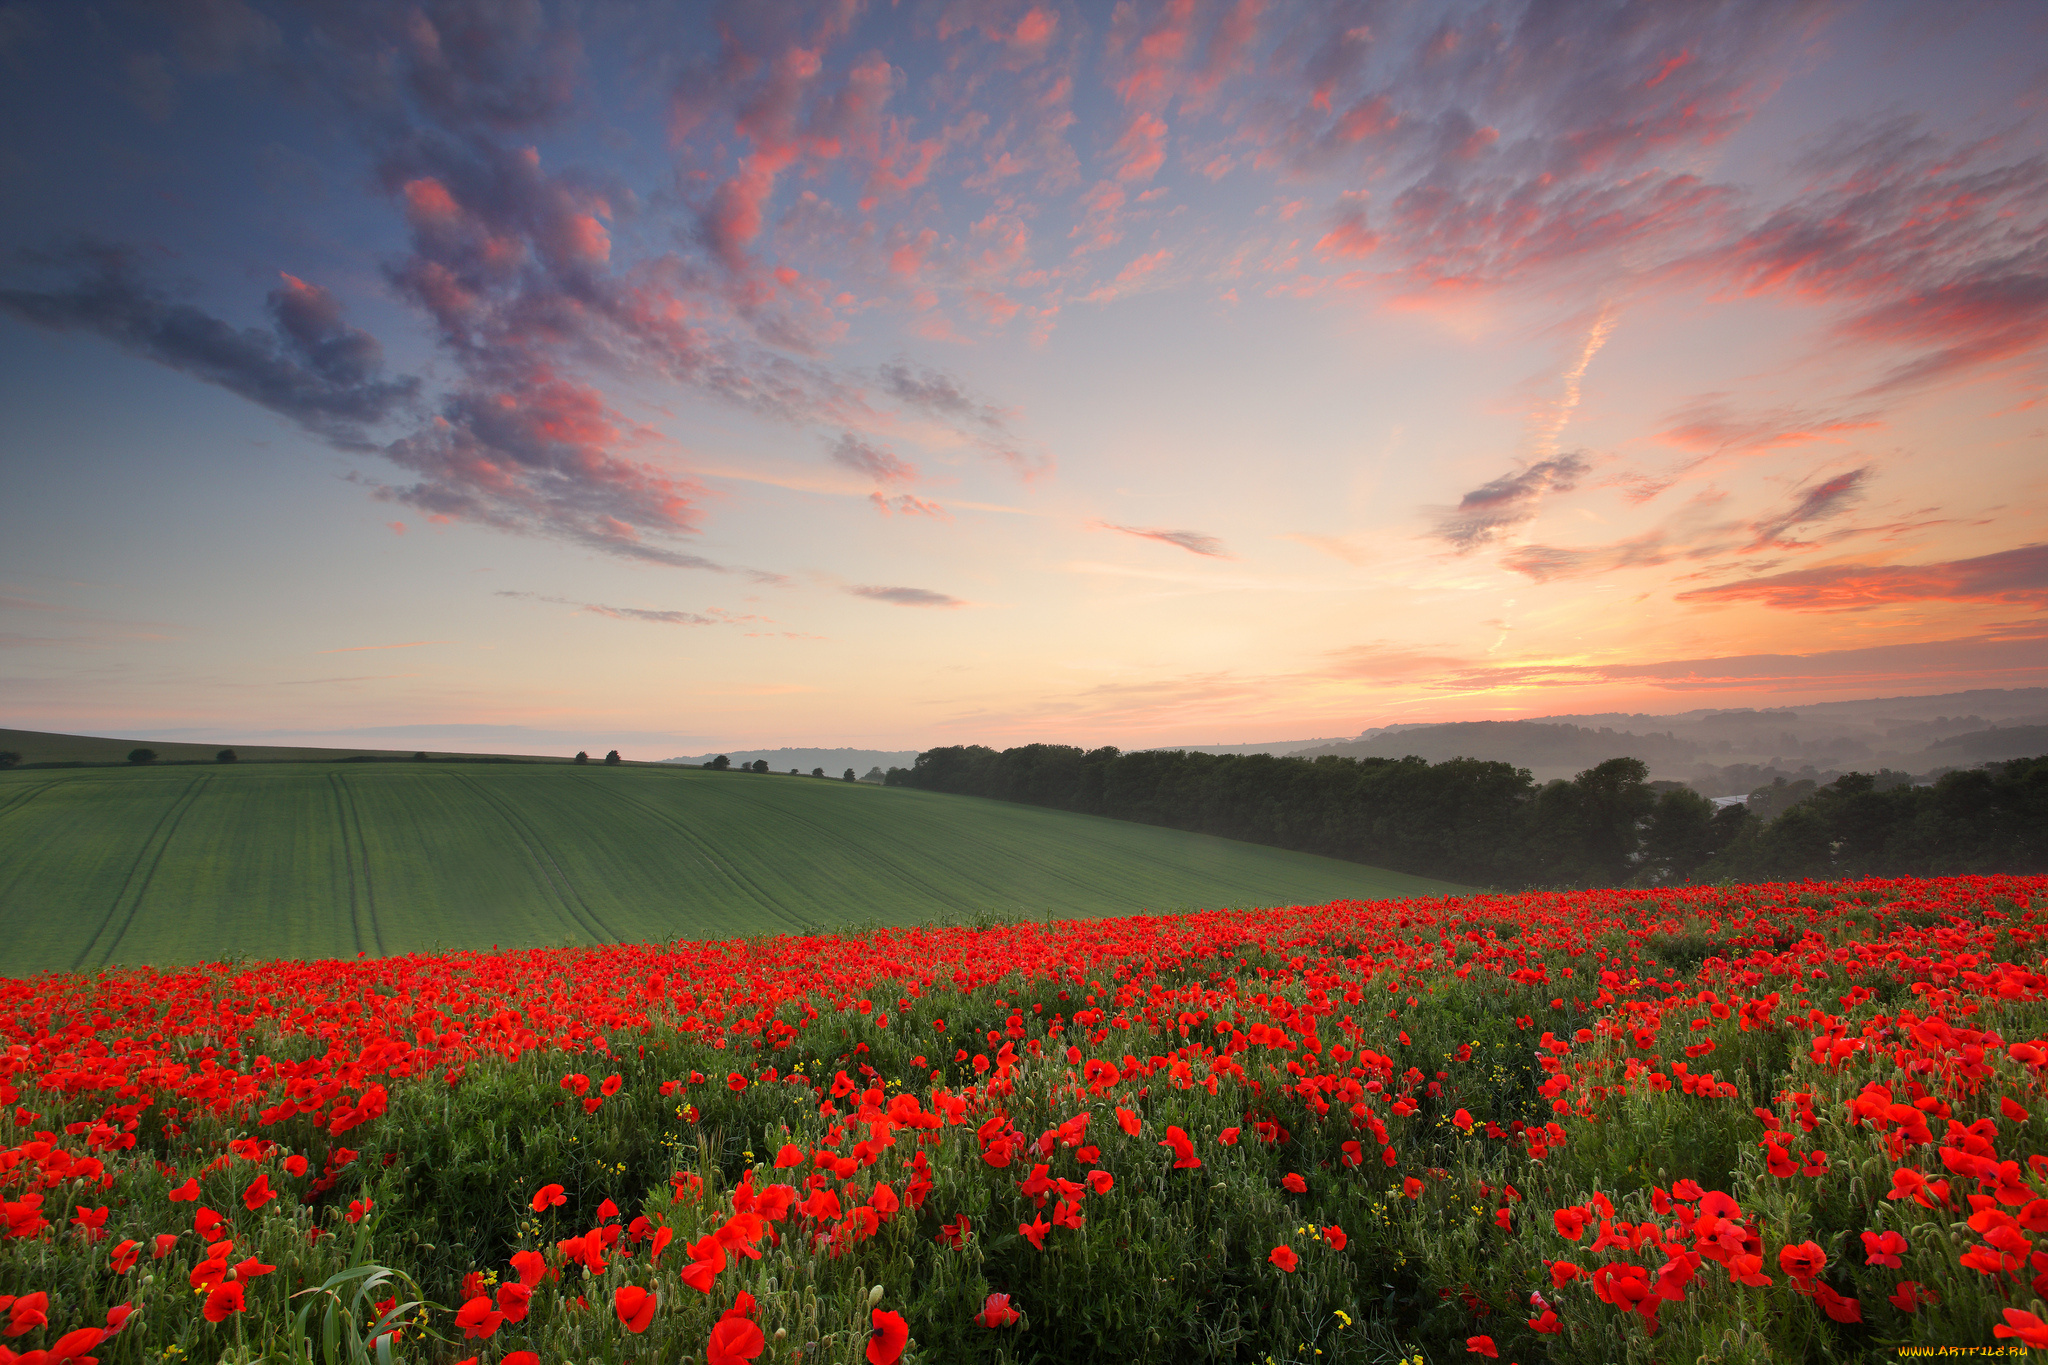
{"x":1194,"y":542}
{"x":907,"y":597}
{"x":2018,"y":577}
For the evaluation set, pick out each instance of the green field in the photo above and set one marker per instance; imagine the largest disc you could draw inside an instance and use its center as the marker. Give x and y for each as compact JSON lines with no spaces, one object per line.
{"x":306,"y":860}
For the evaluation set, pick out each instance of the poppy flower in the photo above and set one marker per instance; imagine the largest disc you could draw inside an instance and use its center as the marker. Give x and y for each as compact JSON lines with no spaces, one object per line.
{"x":2030,"y":1330}
{"x":1547,"y":1324}
{"x":997,"y":1312}
{"x":1127,"y":1121}
{"x":611,"y":1086}
{"x":634,"y":1305}
{"x":72,"y":1347}
{"x":1101,"y":1182}
{"x":222,"y":1300}
{"x":1336,"y":1237}
{"x":1482,"y":1346}
{"x":513,"y":1301}
{"x":886,"y":1342}
{"x":1034,"y":1232}
{"x":118,"y":1315}
{"x":259,"y":1193}
{"x":186,"y":1193}
{"x":1293,"y":1183}
{"x":123,"y":1257}
{"x":735,"y":1082}
{"x":548,"y":1197}
{"x":1570,"y":1223}
{"x":733,"y":1341}
{"x":1802,"y":1260}
{"x":478,"y":1318}
{"x":164,"y":1242}
{"x":530,"y":1265}
{"x":525,"y":1358}
{"x":295,"y":1165}
{"x":1411,"y":1187}
{"x":790,"y":1155}
{"x":1284,"y":1257}
{"x":1883,"y":1248}
{"x":1563,"y":1273}
{"x":576,"y":1083}
{"x":1837,"y":1306}
{"x":27,"y":1312}
{"x":1908,"y":1297}
{"x":1463,"y":1121}
{"x":208,"y":1224}
{"x":1184,"y":1158}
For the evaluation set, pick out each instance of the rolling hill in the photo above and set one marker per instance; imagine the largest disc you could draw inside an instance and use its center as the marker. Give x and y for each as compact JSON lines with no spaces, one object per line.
{"x":307,"y":860}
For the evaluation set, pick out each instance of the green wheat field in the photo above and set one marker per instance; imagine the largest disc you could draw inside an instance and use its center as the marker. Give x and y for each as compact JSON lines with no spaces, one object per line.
{"x":165,"y":865}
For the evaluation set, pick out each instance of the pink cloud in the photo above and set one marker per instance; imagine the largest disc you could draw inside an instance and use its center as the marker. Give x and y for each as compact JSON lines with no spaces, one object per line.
{"x":2017,"y":577}
{"x":1194,"y":542}
{"x":1142,"y":147}
{"x":1130,"y":277}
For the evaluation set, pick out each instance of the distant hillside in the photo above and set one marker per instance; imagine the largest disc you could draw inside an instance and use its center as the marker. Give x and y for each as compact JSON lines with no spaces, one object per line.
{"x":1526,"y":744}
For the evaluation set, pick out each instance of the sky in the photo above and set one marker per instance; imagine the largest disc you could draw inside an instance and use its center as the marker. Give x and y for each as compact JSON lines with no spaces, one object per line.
{"x":677,"y":377}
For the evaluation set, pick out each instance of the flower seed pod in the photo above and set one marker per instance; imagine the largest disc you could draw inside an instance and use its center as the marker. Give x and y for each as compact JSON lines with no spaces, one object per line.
{"x":874,"y":1296}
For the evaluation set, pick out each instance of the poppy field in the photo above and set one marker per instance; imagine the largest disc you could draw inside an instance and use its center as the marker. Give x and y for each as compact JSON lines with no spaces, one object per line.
{"x":165,"y":865}
{"x":1789,"y":1122}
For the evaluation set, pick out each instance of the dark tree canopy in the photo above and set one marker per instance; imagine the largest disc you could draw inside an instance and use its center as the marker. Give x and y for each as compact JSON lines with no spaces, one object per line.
{"x":142,"y":755}
{"x":582,"y":757}
{"x":612,"y":758}
{"x":225,"y":756}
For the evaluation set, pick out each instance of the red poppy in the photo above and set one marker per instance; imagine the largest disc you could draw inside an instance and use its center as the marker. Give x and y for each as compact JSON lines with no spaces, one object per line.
{"x":1184,"y":1158}
{"x":634,"y":1305}
{"x":117,"y":1316}
{"x":1563,"y":1273}
{"x":1802,"y":1260}
{"x":222,"y":1300}
{"x":1883,"y":1248}
{"x":1908,"y":1297}
{"x":28,"y":1312}
{"x":2030,"y":1330}
{"x":1101,"y":1182}
{"x":1482,"y":1346}
{"x":164,"y":1242}
{"x":611,"y":1086}
{"x":1463,"y":1122}
{"x":997,"y":1312}
{"x":733,"y":1340}
{"x":1836,"y":1306}
{"x":1546,"y":1324}
{"x":1293,"y":1183}
{"x":1570,"y":1223}
{"x":1411,"y":1187}
{"x":521,"y":1358}
{"x":735,"y":1082}
{"x":531,"y":1265}
{"x":887,"y":1340}
{"x":478,"y":1319}
{"x":576,"y":1083}
{"x":513,"y":1301}
{"x":1336,"y":1237}
{"x":1284,"y":1257}
{"x":295,"y":1165}
{"x":186,"y":1193}
{"x":548,"y":1197}
{"x":209,"y":1225}
{"x":123,"y":1257}
{"x":1034,"y":1232}
{"x":258,"y":1194}
{"x":1127,"y":1121}
{"x":790,"y":1155}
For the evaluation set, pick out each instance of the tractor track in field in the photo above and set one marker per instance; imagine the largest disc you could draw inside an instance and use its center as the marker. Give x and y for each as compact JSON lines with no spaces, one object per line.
{"x":140,"y":873}
{"x":361,"y":908}
{"x":868,"y":852}
{"x":703,"y":848}
{"x":558,"y":881}
{"x":23,"y":798}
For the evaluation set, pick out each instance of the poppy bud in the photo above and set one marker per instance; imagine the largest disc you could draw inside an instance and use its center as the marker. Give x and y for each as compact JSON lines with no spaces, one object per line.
{"x":874,"y":1296}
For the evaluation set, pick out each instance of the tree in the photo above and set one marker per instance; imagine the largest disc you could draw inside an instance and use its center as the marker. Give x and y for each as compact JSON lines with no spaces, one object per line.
{"x":225,"y":756}
{"x":612,"y":759}
{"x":815,"y":772}
{"x":760,"y":765}
{"x":582,"y":757}
{"x":849,"y":776}
{"x":8,"y":758}
{"x":142,"y":755}
{"x":420,"y":757}
{"x":719,"y":764}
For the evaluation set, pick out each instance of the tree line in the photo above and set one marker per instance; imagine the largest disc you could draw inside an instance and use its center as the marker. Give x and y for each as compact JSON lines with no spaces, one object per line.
{"x":1491,"y":824}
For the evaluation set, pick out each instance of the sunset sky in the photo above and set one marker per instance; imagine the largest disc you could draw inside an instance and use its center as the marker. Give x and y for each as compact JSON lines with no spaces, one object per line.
{"x":674,"y":378}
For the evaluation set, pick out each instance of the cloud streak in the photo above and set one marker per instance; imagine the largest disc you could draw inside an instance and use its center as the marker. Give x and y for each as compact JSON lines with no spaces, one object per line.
{"x":906,"y":597}
{"x":1194,"y":542}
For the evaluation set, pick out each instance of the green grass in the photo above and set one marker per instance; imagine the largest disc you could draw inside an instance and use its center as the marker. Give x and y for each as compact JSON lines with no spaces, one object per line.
{"x":184,"y":864}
